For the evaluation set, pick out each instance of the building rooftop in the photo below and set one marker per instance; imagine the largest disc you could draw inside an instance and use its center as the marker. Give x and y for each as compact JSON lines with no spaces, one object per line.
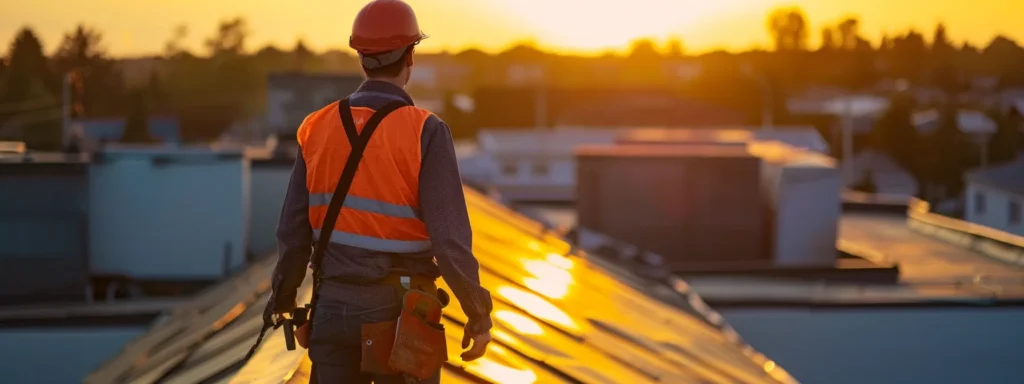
{"x":969,"y":121}
{"x":796,"y":136}
{"x":164,"y":129}
{"x":33,"y":157}
{"x":558,"y":318}
{"x":1008,"y":176}
{"x":934,"y":268}
{"x":932,"y":272}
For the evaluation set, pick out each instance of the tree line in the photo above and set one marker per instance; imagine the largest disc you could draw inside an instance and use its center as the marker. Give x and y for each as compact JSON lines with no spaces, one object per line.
{"x":224,"y":81}
{"x":937,"y":159}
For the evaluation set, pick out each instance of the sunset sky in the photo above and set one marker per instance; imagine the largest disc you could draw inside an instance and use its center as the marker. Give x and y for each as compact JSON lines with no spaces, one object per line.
{"x":134,"y":27}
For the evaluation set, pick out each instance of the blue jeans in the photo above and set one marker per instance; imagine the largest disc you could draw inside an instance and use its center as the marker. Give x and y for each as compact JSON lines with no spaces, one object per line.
{"x":335,"y":343}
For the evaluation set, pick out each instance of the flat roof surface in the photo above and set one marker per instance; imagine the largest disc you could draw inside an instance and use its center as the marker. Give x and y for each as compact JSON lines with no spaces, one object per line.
{"x":12,"y":159}
{"x":557,"y":319}
{"x":931,"y":271}
{"x":661,"y":150}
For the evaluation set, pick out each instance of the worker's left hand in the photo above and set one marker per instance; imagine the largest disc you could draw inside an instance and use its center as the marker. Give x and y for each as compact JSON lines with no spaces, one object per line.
{"x":272,"y":315}
{"x":479,"y":342}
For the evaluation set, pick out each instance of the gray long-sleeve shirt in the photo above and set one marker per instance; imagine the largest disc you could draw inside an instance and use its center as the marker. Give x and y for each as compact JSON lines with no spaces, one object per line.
{"x":442,"y":209}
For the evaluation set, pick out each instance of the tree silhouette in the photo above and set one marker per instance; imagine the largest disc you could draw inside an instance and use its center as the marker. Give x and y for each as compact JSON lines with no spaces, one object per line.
{"x":175,"y":46}
{"x":26,"y":90}
{"x":788,"y":28}
{"x":948,"y":159}
{"x":942,"y":48}
{"x":828,"y":40}
{"x":136,"y":126}
{"x":27,"y":68}
{"x":1007,"y":142}
{"x":156,"y":94}
{"x":100,"y":80}
{"x":1007,"y":58}
{"x":230,"y":38}
{"x":895,"y":135}
{"x":674,"y":47}
{"x":849,"y":34}
{"x":302,"y":55}
{"x":643,"y":49}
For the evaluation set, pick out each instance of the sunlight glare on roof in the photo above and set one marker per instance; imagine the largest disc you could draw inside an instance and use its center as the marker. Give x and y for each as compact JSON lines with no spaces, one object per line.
{"x":548,"y":280}
{"x":537,"y":306}
{"x":560,"y":261}
{"x":533,"y":246}
{"x":519,"y":323}
{"x":500,"y":373}
{"x":550,"y":289}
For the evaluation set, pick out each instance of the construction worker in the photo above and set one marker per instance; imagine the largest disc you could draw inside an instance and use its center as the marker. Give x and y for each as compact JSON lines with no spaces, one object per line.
{"x":405,"y":213}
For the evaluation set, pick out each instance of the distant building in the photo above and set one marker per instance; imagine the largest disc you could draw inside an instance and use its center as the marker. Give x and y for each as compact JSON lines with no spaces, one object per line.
{"x":995,"y":197}
{"x":831,"y":112}
{"x":888,"y":177}
{"x":88,"y":134}
{"x":293,"y":96}
{"x":530,"y":165}
{"x":976,"y":124}
{"x":539,"y":165}
{"x":530,"y":107}
{"x":1016,"y":113}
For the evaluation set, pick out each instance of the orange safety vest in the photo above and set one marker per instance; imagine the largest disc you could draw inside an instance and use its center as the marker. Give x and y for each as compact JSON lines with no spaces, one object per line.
{"x":381,"y":211}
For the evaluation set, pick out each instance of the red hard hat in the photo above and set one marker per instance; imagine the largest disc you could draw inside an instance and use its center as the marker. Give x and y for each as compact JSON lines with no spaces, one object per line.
{"x":385,"y":25}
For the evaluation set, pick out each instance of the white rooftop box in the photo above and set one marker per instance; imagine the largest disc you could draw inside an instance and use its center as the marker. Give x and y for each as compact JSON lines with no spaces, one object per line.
{"x":168,"y":213}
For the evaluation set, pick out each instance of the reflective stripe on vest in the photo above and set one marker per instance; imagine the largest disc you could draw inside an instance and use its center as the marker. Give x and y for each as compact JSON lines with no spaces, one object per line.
{"x":369,"y":205}
{"x":377,"y":244}
{"x":381,"y":211}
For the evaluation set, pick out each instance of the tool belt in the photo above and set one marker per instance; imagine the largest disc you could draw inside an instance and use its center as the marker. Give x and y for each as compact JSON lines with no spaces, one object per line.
{"x":413,"y":344}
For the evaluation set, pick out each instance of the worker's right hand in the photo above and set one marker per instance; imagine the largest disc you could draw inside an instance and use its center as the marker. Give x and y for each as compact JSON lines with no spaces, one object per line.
{"x":479,"y":345}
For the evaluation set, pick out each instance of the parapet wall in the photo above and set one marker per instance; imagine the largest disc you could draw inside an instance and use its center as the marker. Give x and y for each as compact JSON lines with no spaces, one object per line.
{"x":1000,"y":245}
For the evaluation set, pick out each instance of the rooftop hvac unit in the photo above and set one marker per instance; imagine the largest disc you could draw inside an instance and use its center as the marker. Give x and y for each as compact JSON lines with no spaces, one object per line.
{"x":688,"y":203}
{"x":803,"y":190}
{"x":714,"y":204}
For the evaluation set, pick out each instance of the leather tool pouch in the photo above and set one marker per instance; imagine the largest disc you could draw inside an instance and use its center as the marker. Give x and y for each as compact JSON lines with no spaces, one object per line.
{"x":420,"y":348}
{"x":302,"y":335}
{"x":378,"y":339}
{"x":301,"y":323}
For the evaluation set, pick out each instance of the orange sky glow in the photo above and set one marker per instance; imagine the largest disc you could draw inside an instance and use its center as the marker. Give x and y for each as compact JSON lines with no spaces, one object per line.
{"x":133,"y":27}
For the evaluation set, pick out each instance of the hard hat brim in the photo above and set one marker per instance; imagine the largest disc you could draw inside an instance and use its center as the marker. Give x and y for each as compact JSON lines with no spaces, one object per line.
{"x":370,"y":46}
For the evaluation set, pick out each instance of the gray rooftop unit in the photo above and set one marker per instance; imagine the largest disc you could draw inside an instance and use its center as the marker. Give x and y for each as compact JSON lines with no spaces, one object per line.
{"x":169,"y":214}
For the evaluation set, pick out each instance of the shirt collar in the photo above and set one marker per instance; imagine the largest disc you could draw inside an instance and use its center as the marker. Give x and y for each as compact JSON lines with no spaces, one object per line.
{"x":383,"y":87}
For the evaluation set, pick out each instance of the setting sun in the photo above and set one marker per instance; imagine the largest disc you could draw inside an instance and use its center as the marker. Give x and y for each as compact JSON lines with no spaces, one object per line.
{"x":578,"y":26}
{"x":588,"y":25}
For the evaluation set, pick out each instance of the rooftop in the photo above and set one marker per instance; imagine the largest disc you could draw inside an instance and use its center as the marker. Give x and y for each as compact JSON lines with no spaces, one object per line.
{"x":1008,"y":176}
{"x":941,"y":262}
{"x":558,"y":318}
{"x":932,"y":272}
{"x":796,"y":136}
{"x":969,"y":121}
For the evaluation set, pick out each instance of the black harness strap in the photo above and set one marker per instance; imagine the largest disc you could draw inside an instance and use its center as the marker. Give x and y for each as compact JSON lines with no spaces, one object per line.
{"x":358,"y":142}
{"x":345,"y":182}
